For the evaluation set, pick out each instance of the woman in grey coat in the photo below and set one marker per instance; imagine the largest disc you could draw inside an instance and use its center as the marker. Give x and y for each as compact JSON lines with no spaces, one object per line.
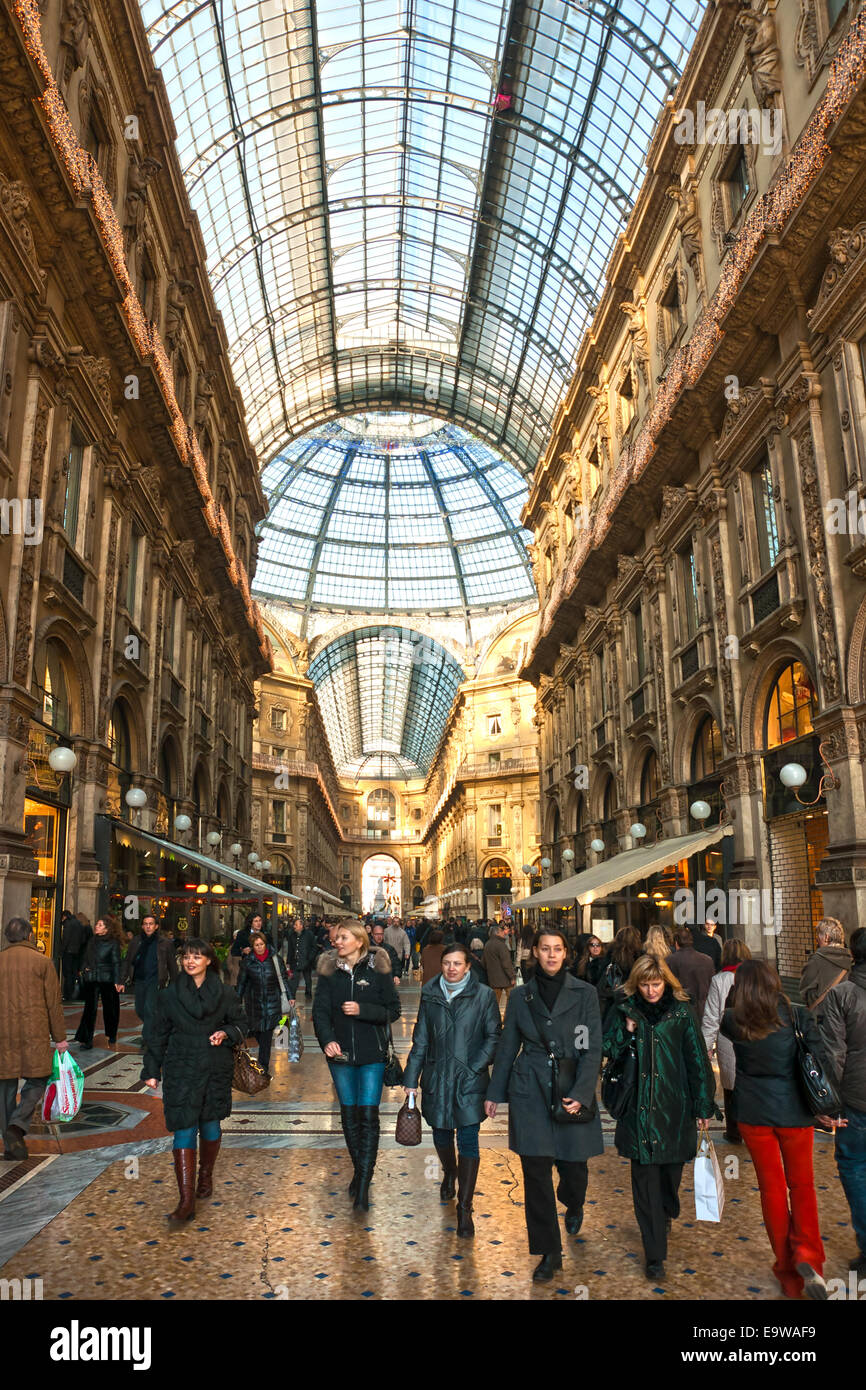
{"x":733,"y":953}
{"x":569,"y":1020}
{"x":453,"y":1044}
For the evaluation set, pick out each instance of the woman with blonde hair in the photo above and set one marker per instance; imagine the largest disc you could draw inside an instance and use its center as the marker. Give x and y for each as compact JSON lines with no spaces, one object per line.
{"x":675,"y":1087}
{"x":354,"y":1006}
{"x":659,"y":942}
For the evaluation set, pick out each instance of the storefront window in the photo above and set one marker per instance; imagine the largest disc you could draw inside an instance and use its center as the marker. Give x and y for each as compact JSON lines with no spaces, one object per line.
{"x":44,"y":831}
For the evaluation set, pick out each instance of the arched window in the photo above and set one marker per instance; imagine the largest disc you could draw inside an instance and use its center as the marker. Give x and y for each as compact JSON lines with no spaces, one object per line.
{"x":792,"y":706}
{"x":382,"y":809}
{"x":55,"y":692}
{"x":706,"y":750}
{"x":650,"y":778}
{"x":119,"y":740}
{"x":609,"y":800}
{"x":166,"y":771}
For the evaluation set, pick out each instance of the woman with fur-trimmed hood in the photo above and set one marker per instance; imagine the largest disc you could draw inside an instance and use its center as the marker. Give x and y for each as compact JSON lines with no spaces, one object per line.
{"x":354,"y":1005}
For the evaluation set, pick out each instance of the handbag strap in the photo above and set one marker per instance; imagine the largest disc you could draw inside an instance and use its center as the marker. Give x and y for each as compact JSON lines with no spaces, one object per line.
{"x":832,"y":985}
{"x":285,"y":1002}
{"x":532,"y":1005}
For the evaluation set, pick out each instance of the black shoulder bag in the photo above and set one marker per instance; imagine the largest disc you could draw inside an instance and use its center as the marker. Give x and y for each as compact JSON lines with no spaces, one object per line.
{"x":818,"y":1092}
{"x":563,"y":1071}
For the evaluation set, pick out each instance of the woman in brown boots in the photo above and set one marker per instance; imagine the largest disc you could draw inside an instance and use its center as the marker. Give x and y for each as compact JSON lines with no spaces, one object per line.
{"x":198,"y":1021}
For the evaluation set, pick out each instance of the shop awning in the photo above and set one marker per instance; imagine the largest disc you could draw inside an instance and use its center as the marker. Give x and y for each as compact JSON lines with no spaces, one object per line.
{"x":255,"y":886}
{"x":627,"y":867}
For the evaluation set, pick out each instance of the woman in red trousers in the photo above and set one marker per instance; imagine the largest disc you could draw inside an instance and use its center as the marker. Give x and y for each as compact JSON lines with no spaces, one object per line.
{"x":774,"y":1122}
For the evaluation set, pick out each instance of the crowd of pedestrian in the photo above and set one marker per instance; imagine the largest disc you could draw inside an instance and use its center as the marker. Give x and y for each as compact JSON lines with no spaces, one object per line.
{"x":673,"y":1003}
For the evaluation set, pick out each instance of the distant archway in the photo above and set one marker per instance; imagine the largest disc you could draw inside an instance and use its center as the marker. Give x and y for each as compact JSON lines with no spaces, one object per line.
{"x":381,"y":885}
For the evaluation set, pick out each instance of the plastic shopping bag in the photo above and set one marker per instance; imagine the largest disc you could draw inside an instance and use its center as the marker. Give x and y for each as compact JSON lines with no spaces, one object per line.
{"x":709,"y":1183}
{"x":64,"y":1092}
{"x":281,"y":1038}
{"x":296,"y":1036}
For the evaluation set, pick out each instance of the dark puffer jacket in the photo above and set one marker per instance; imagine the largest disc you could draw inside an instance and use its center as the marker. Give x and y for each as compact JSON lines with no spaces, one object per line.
{"x":362,"y":1037}
{"x":196,"y":1075}
{"x":453,"y":1046}
{"x":101,"y":964}
{"x":259,"y":990}
{"x":301,"y":949}
{"x":843,"y":1028}
{"x":675,"y":1085}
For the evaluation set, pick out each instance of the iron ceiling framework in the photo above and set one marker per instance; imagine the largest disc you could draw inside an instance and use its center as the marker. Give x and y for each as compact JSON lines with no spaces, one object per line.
{"x":388,"y":514}
{"x":385,"y":694}
{"x":409,"y":204}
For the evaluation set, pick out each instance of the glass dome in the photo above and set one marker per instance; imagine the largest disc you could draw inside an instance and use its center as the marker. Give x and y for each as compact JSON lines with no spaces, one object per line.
{"x":385,"y":694}
{"x":393,"y":513}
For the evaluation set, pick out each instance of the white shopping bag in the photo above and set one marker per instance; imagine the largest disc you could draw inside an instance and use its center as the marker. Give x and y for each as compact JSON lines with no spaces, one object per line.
{"x":281,"y":1039}
{"x":65,"y":1090}
{"x":709,"y":1183}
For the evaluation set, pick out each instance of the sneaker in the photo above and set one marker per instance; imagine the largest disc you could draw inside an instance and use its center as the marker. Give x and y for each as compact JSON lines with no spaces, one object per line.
{"x":814,"y":1286}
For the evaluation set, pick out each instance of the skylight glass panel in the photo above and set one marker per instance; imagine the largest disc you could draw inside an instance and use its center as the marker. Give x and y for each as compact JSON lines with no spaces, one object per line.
{"x":354,"y":173}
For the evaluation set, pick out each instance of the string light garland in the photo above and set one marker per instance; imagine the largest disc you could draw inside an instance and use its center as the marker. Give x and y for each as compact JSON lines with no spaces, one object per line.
{"x":768,"y":217}
{"x":87,"y":181}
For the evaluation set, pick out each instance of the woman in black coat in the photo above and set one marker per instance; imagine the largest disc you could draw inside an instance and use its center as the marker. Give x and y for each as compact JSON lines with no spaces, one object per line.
{"x":453,"y":1044}
{"x":100,"y":979}
{"x":591,"y":963}
{"x":775,"y":1122}
{"x":553,"y":1013}
{"x":197,"y":1023}
{"x":263,"y":987}
{"x":356,"y":1002}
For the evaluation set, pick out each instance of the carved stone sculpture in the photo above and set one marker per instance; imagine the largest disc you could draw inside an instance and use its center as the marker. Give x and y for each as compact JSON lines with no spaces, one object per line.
{"x":688,"y":223}
{"x":638,"y":334}
{"x":174,"y":310}
{"x":75,"y":29}
{"x":763,"y":58}
{"x":137,"y":181}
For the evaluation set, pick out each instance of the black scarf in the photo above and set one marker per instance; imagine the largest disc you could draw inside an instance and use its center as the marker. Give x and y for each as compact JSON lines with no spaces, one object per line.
{"x":654,"y":1013}
{"x":198,"y":1002}
{"x":549,"y":986}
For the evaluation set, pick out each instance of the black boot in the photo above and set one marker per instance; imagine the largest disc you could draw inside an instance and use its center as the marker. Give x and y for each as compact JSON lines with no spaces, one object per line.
{"x":467,"y":1174}
{"x":448,"y":1159}
{"x":546,"y":1268}
{"x":368,"y":1148}
{"x":351,"y":1124}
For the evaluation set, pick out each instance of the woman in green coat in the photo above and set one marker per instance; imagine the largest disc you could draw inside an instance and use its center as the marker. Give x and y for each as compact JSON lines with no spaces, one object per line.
{"x":675,"y":1087}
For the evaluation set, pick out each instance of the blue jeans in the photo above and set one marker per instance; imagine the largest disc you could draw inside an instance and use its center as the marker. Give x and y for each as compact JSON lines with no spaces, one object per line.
{"x":185,"y":1138}
{"x":467,"y":1140}
{"x":851,"y":1162}
{"x":357,"y":1085}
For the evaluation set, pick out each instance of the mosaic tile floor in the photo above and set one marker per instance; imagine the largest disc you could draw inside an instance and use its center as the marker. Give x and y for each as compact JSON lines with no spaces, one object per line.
{"x":90,"y":1222}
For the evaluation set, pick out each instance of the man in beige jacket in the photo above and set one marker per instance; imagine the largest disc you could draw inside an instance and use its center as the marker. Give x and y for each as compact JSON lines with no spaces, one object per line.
{"x":498,"y":963}
{"x":31,"y":1014}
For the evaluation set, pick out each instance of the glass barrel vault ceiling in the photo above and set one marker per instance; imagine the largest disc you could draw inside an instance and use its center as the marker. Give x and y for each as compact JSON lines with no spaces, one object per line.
{"x":385,"y":694}
{"x":410,"y":203}
{"x":393,"y":513}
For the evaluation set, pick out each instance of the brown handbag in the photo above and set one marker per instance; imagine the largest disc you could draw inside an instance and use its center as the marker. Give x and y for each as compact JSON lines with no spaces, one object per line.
{"x":248,"y":1076}
{"x":408,"y":1130}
